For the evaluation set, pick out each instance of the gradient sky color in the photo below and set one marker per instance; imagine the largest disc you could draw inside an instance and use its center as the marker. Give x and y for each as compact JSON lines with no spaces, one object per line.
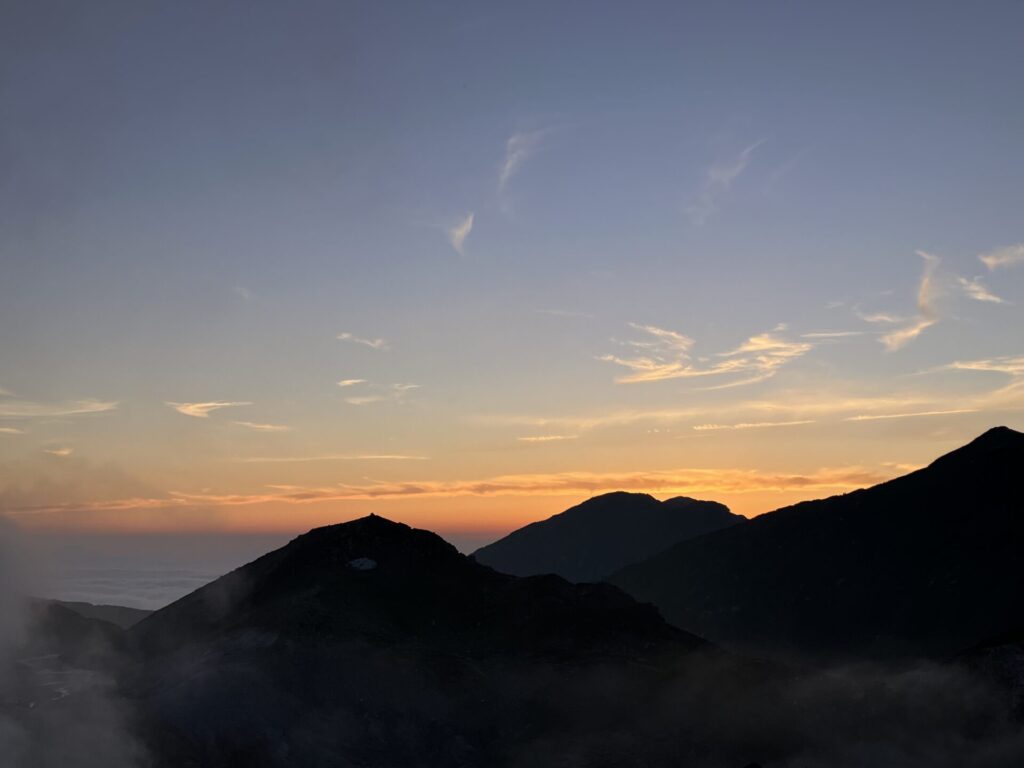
{"x":265,"y":266}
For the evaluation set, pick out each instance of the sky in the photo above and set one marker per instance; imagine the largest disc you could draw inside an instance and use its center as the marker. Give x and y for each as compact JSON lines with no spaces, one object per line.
{"x":268,"y":266}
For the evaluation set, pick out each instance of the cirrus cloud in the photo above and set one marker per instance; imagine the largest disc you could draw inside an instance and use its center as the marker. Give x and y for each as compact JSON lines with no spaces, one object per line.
{"x":458,"y":233}
{"x":203,"y":410}
{"x":664,"y":354}
{"x":1007,"y":256}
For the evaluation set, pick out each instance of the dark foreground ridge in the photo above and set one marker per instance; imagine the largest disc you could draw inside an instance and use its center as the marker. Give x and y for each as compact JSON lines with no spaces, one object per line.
{"x":926,"y":564}
{"x":598,"y":537}
{"x":374,"y":644}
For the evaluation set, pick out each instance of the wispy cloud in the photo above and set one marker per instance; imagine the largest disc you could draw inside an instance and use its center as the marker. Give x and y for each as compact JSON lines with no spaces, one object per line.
{"x":351,"y":382}
{"x":263,"y":427}
{"x":394,"y":393}
{"x":365,"y":399}
{"x":11,"y":431}
{"x":831,"y":334}
{"x":751,"y":425}
{"x":372,"y":343}
{"x":27,"y":409}
{"x":927,"y":309}
{"x":242,"y":291}
{"x":720,"y":178}
{"x":789,"y":405}
{"x":332,"y":457}
{"x":1013,"y":366}
{"x":881,"y":416}
{"x":978,"y":291}
{"x":518,"y":149}
{"x":665,"y":354}
{"x":546,"y":438}
{"x":60,"y":452}
{"x":457,"y":234}
{"x":879,"y":318}
{"x":203,"y":410}
{"x":564,"y":313}
{"x":688,"y":481}
{"x":1007,"y":256}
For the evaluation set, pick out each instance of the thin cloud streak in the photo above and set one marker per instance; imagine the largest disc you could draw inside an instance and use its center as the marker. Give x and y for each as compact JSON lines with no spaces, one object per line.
{"x":27,"y":409}
{"x":393,"y":393}
{"x":366,"y":342}
{"x":977,"y":290}
{"x":790,"y":406}
{"x":518,"y":149}
{"x":457,"y":235}
{"x":203,"y":410}
{"x":546,"y":438}
{"x":351,"y":382}
{"x":720,"y":178}
{"x":831,"y":334}
{"x":1014,"y":366}
{"x":59,"y":452}
{"x":1007,"y":256}
{"x":331,"y":457}
{"x":881,"y":318}
{"x":365,"y":400}
{"x":927,"y":310}
{"x":688,"y":481}
{"x":263,"y":427}
{"x":882,"y":416}
{"x":11,"y":431}
{"x":751,"y":425}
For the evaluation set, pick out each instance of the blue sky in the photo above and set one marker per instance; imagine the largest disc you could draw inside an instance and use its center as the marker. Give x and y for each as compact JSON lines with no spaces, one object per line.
{"x":580,"y":245}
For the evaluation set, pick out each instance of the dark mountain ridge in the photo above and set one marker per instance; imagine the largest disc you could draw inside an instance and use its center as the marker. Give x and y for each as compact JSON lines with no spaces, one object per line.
{"x":594,"y":539}
{"x":925,"y":564}
{"x":372,"y":643}
{"x":375,"y":579}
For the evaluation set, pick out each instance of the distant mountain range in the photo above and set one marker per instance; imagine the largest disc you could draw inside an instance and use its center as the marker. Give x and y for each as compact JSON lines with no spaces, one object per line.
{"x":594,"y":539}
{"x":925,"y":565}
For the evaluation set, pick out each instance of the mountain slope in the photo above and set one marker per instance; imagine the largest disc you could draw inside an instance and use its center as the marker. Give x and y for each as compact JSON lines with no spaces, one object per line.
{"x":603,"y":534}
{"x":926,"y":564}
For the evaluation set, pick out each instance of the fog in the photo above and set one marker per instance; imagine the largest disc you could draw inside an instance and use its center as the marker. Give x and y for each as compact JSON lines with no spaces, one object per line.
{"x":52,"y":715}
{"x":707,"y":710}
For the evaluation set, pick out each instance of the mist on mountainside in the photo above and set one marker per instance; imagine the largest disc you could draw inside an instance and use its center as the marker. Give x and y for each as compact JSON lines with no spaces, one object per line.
{"x":59,"y":704}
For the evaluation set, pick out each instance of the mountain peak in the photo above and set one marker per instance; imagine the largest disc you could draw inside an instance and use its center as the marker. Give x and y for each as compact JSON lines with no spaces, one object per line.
{"x":373,"y":578}
{"x":595,"y":538}
{"x":991,"y":444}
{"x":1001,"y":435}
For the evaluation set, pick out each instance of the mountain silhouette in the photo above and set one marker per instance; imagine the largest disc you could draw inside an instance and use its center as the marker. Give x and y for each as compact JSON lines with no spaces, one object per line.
{"x":603,"y":534}
{"x":927,"y":564}
{"x":384,"y":644}
{"x":374,"y":644}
